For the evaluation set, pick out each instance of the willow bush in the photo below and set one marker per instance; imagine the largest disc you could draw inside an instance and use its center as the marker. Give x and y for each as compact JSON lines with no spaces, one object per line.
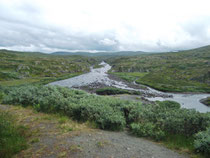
{"x":154,"y":121}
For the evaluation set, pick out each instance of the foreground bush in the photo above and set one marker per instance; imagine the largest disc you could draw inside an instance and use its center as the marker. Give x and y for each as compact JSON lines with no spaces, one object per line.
{"x":202,"y":142}
{"x":170,"y":118}
{"x":105,"y":112}
{"x":12,"y":138}
{"x":1,"y":96}
{"x":155,"y":121}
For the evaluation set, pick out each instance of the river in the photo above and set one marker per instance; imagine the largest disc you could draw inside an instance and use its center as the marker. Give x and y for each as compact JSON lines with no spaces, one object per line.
{"x":99,"y":75}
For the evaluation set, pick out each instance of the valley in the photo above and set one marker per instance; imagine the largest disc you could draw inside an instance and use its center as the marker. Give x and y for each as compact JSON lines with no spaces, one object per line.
{"x":152,"y":96}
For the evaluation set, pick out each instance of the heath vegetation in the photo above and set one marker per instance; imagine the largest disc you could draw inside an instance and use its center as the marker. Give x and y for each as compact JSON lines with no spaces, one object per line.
{"x":184,"y":71}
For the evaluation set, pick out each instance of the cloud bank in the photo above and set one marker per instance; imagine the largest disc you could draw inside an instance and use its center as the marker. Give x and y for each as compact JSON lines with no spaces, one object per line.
{"x":104,"y":25}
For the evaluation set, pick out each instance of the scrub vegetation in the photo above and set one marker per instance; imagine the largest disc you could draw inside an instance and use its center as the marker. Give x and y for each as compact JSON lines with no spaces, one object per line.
{"x":114,"y":91}
{"x":184,"y":71}
{"x":163,"y":121}
{"x":206,"y":101}
{"x":21,"y":68}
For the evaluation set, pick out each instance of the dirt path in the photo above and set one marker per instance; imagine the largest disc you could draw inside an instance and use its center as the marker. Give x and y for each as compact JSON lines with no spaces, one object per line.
{"x":53,"y":136}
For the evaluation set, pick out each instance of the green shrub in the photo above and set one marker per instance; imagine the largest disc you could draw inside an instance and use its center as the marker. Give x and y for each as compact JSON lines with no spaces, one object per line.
{"x":169,"y":104}
{"x":114,"y":91}
{"x":171,"y":120}
{"x":107,"y":113}
{"x":104,"y":115}
{"x":12,"y":138}
{"x":202,"y":142}
{"x":112,"y":114}
{"x":147,"y":130}
{"x":1,"y":96}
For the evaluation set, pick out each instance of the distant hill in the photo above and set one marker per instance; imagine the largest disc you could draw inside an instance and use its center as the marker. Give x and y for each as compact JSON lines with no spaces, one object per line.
{"x":120,"y":53}
{"x":181,"y":71}
{"x":21,"y":68}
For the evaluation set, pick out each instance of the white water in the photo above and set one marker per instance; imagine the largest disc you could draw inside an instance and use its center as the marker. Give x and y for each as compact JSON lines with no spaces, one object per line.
{"x":189,"y":101}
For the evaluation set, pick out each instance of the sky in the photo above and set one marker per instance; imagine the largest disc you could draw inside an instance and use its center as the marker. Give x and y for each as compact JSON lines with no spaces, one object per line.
{"x":104,"y":25}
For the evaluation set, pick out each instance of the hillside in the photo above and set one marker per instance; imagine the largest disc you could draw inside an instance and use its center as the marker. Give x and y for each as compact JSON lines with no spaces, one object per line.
{"x":184,"y":71}
{"x":18,"y":68}
{"x":102,"y":54}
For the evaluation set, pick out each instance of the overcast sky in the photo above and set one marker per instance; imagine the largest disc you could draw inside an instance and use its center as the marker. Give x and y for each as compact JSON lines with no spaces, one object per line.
{"x":104,"y":25}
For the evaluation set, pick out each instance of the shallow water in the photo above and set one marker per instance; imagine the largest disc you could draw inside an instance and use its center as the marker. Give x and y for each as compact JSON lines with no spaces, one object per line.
{"x":189,"y":101}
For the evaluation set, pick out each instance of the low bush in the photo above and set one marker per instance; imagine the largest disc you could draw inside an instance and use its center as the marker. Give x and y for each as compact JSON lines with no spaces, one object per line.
{"x":12,"y":138}
{"x":1,"y":96}
{"x":154,"y":121}
{"x":169,"y":104}
{"x":114,"y":91}
{"x":170,"y":118}
{"x":202,"y":142}
{"x":107,"y":113}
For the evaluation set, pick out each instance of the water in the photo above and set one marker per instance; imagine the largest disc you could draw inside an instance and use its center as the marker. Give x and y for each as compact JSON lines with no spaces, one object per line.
{"x":189,"y":101}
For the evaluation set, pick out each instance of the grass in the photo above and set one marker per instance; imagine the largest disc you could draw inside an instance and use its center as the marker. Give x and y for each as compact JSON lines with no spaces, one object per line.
{"x":179,"y":142}
{"x":97,"y":66}
{"x":186,"y":71}
{"x":36,"y":80}
{"x":182,"y":144}
{"x":33,"y":123}
{"x":75,"y":148}
{"x":13,"y":137}
{"x":129,"y":76}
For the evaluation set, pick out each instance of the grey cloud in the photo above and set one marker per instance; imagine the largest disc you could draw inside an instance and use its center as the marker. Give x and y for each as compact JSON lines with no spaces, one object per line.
{"x":21,"y":27}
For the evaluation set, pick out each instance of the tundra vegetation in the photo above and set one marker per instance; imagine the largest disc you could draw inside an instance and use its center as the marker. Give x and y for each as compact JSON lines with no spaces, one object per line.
{"x":164,"y":121}
{"x":20,"y":68}
{"x":114,"y":91}
{"x":184,"y":71}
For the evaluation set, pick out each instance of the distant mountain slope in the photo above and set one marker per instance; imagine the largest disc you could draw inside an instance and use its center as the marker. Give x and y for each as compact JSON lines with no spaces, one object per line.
{"x":18,"y":68}
{"x":120,"y":53}
{"x":183,"y":71}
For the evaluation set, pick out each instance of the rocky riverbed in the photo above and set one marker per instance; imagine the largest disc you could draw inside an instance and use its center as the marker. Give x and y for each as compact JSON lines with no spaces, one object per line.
{"x":99,"y":78}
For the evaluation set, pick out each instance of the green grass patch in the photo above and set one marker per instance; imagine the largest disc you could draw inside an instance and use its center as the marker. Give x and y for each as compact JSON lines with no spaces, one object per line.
{"x":12,"y":136}
{"x":179,"y":142}
{"x":129,"y":76}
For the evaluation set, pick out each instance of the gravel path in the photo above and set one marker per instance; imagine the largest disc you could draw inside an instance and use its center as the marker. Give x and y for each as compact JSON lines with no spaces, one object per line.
{"x":104,"y":144}
{"x":81,"y":142}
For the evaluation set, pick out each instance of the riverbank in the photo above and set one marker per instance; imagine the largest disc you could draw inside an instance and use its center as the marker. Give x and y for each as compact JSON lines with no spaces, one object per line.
{"x":98,"y":78}
{"x":196,"y":99}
